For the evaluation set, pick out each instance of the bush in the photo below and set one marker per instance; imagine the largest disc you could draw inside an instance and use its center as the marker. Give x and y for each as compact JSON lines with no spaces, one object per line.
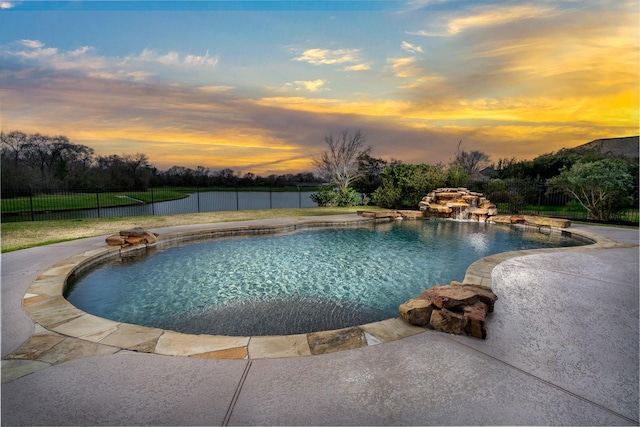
{"x":602,"y":188}
{"x":405,"y":185}
{"x":324,"y":197}
{"x":336,"y":197}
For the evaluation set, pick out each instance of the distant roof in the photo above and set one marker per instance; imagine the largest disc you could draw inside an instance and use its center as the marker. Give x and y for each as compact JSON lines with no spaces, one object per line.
{"x":625,"y":146}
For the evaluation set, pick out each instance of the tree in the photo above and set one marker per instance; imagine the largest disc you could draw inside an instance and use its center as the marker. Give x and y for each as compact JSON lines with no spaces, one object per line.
{"x":405,"y":185}
{"x":369,"y":177}
{"x":471,"y":162}
{"x":602,"y":187}
{"x":14,"y":143}
{"x":339,"y":164}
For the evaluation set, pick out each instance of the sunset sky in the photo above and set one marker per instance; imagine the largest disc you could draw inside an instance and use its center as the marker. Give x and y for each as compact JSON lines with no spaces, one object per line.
{"x":256,"y":85}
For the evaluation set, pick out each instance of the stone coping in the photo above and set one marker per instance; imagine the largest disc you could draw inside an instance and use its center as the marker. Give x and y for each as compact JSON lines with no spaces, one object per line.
{"x":63,"y":332}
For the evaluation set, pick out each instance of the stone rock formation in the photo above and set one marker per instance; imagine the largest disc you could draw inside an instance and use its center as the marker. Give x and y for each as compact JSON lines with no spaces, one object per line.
{"x":458,"y":308}
{"x":134,"y":236}
{"x":536,"y":221}
{"x":457,"y":203}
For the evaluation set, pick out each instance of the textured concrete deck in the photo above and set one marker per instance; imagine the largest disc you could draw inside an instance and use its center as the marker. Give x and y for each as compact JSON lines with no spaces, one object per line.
{"x":562,"y":349}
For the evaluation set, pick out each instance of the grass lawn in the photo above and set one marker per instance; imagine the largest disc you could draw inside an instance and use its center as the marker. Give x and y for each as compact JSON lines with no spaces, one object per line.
{"x":21,"y":235}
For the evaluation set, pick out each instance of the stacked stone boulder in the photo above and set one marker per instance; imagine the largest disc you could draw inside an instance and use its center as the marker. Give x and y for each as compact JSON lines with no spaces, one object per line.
{"x":535,"y":221}
{"x":132,"y":237}
{"x":457,"y":308}
{"x":457,"y":203}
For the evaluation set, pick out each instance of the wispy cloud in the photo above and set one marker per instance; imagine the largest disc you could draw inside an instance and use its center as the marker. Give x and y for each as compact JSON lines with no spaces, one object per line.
{"x":490,"y":16}
{"x":358,"y":67}
{"x":87,"y":61}
{"x":328,"y":56}
{"x":411,"y":48}
{"x":308,"y":85}
{"x":405,"y":67}
{"x":176,"y":58}
{"x":7,"y":5}
{"x":481,"y":17}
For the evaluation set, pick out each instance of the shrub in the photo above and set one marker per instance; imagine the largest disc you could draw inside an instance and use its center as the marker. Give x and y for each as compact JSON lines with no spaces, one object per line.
{"x":405,"y":185}
{"x":602,"y":188}
{"x":332,"y":196}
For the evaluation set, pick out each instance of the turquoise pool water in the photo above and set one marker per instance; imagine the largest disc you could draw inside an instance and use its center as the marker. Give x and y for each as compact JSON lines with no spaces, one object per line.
{"x":293,"y":283}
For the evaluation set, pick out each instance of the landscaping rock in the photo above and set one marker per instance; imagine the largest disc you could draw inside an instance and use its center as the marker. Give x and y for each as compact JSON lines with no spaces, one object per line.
{"x":417,"y":311}
{"x":447,"y":321}
{"x":457,"y":203}
{"x":475,"y":320}
{"x":485,"y":294}
{"x":539,"y":221}
{"x":134,"y":236}
{"x":449,"y":296}
{"x":115,"y":241}
{"x":548,"y":222}
{"x":134,"y":232}
{"x":457,"y":308}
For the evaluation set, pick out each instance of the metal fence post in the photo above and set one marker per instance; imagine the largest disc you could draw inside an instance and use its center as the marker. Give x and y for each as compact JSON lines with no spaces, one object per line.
{"x":98,"y":201}
{"x":33,"y":218}
{"x":237,"y":199}
{"x":198,"y":194}
{"x":540,"y":188}
{"x":270,"y":202}
{"x":299,"y":196}
{"x":153,"y":207}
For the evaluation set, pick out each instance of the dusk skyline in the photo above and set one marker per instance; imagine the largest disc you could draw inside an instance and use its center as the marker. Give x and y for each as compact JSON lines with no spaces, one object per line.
{"x":256,"y":85}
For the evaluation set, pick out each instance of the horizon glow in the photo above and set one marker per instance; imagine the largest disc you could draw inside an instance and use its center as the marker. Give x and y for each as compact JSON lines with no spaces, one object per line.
{"x":255,"y":86}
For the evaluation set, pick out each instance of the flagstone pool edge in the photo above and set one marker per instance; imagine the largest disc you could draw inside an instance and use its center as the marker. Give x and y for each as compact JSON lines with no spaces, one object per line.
{"x":58,"y":321}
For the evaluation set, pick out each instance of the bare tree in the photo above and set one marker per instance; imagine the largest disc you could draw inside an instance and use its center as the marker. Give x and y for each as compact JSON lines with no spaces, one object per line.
{"x":339,"y":163}
{"x":14,"y":143}
{"x":471,"y":162}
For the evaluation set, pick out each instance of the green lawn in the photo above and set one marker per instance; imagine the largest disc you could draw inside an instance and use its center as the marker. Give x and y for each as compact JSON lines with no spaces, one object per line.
{"x":22,"y":235}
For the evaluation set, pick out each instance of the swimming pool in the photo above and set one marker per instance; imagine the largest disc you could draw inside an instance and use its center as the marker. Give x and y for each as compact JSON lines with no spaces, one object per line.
{"x":293,"y":283}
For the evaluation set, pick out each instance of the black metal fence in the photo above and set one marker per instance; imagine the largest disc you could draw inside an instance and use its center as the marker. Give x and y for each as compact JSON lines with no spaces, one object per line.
{"x":530,"y":198}
{"x":30,"y":204}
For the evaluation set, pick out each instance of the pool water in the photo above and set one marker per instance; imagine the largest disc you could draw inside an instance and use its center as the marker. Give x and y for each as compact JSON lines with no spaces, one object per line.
{"x":286,"y":284}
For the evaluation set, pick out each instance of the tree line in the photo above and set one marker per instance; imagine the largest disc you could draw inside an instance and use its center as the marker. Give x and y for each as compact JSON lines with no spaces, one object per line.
{"x":54,"y":162}
{"x":599,"y":183}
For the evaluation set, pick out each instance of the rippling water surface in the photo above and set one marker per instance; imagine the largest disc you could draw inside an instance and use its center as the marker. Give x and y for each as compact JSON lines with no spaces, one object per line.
{"x":293,"y":283}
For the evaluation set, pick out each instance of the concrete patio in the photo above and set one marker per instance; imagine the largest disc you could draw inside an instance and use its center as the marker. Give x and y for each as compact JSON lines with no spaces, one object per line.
{"x":562,"y":349}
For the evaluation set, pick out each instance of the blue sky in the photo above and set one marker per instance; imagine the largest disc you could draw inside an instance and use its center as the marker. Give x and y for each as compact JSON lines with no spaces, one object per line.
{"x":256,"y":85}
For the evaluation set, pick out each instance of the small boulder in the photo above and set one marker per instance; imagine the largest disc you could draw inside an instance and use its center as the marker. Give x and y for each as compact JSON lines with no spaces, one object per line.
{"x":150,"y":237}
{"x":447,"y":321}
{"x":115,"y":241}
{"x":485,"y":294}
{"x":133,"y":240}
{"x":134,"y":232}
{"x":548,"y":222}
{"x":475,"y":320}
{"x":449,"y":296}
{"x":416,"y":312}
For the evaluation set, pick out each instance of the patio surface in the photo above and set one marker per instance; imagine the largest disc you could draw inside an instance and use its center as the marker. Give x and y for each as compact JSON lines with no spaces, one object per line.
{"x":562,"y":350}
